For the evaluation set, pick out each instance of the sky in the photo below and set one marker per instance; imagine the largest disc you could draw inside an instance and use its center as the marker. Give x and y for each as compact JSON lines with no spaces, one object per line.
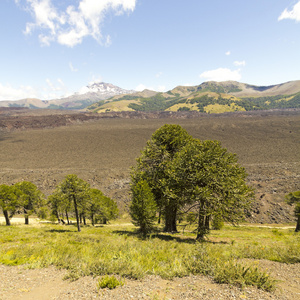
{"x":53,"y":48}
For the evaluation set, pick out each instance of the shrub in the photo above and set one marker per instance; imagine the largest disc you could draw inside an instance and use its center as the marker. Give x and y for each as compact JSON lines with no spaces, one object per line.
{"x":110,"y":282}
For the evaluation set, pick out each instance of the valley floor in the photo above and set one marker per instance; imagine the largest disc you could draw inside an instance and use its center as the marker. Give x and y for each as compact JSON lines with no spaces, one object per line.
{"x":20,"y":284}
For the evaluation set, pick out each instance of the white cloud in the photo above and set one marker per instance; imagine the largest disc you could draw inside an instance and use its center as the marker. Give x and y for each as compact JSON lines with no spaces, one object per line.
{"x":239,"y":63}
{"x":293,"y":14}
{"x":69,"y":27}
{"x":72,"y":67}
{"x":140,"y":87}
{"x":227,"y":53}
{"x":7,"y":92}
{"x":221,"y":74}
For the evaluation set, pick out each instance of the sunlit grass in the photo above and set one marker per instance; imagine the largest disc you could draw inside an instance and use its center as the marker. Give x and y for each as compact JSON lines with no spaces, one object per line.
{"x":117,"y":249}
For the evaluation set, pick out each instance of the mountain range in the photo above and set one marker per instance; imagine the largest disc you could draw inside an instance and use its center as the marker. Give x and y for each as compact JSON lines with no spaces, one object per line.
{"x":208,"y":97}
{"x":90,"y":94}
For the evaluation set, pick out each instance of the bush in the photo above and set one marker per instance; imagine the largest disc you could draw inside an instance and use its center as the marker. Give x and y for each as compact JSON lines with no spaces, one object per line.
{"x":110,"y":282}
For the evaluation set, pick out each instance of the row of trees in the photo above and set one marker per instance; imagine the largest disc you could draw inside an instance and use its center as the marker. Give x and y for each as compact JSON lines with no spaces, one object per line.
{"x":177,"y":173}
{"x":72,"y":197}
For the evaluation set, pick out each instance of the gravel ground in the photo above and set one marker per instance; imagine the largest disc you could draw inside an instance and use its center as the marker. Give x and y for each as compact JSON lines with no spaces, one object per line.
{"x":43,"y":284}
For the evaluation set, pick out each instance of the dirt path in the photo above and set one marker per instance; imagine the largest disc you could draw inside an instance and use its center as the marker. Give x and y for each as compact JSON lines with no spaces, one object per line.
{"x":18,"y":283}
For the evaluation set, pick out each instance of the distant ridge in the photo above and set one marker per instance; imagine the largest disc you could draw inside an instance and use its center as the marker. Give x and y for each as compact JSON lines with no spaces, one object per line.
{"x":91,"y":93}
{"x":208,"y":97}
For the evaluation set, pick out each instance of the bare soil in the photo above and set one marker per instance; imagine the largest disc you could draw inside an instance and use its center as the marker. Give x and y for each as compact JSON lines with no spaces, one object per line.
{"x":21,"y":284}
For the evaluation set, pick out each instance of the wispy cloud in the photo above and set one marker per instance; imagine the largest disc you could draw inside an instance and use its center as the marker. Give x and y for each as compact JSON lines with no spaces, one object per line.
{"x":53,"y":89}
{"x":293,"y":14}
{"x":239,"y":63}
{"x":72,"y":67}
{"x":8,"y":92}
{"x":227,"y":53}
{"x":70,"y":26}
{"x":221,"y":74}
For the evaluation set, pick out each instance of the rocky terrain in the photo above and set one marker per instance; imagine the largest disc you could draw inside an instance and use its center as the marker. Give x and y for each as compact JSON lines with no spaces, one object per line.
{"x":44,"y":146}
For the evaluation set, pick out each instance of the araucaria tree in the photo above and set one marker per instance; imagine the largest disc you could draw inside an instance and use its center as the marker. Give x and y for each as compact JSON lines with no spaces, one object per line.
{"x":208,"y":177}
{"x":8,"y":201}
{"x":153,"y":166}
{"x":30,"y":198}
{"x":76,"y":191}
{"x":186,"y":172}
{"x":294,"y":198}
{"x":143,"y":207}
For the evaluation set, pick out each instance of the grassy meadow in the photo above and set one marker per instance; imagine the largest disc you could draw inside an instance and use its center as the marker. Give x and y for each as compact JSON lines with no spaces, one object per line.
{"x":117,"y":249}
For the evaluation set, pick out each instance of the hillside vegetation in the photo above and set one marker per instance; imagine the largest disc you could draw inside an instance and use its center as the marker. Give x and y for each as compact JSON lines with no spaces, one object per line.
{"x":209,"y":97}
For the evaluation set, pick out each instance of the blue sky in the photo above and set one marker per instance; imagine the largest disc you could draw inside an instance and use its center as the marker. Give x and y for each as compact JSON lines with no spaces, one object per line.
{"x":53,"y":48}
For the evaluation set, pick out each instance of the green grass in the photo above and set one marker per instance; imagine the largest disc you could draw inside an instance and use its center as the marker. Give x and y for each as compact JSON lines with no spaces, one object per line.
{"x":120,"y":251}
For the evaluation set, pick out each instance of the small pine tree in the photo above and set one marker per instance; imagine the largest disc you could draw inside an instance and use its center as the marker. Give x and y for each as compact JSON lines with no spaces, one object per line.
{"x":217,"y":222}
{"x":143,"y":207}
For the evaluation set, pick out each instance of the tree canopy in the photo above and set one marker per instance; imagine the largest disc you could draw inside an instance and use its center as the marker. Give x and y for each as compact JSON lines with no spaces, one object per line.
{"x":153,"y":166}
{"x":186,"y":172}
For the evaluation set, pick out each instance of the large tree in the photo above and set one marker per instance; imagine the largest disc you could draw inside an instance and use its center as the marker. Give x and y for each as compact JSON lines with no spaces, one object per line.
{"x":153,"y":167}
{"x":8,"y":201}
{"x":75,"y":190}
{"x":206,"y":175}
{"x":294,"y":198}
{"x":30,"y":198}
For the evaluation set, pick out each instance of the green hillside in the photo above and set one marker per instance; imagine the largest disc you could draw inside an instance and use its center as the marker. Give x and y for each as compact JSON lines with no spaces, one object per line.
{"x":209,"y":97}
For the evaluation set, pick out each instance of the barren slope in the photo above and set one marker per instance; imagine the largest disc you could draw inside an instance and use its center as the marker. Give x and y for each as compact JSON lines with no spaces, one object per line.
{"x":103,"y":151}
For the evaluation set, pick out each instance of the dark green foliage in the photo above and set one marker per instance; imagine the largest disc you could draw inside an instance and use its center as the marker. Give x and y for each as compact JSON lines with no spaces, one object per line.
{"x":143,"y":207}
{"x":76,"y":191}
{"x":153,"y":166}
{"x":184,"y":108}
{"x":30,"y":199}
{"x":294,"y":198}
{"x":206,"y":174}
{"x":8,"y":201}
{"x":184,"y":171}
{"x":101,"y":208}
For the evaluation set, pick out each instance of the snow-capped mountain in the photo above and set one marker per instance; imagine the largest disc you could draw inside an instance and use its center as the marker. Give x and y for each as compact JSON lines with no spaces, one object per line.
{"x":92,"y":93}
{"x":105,"y":89}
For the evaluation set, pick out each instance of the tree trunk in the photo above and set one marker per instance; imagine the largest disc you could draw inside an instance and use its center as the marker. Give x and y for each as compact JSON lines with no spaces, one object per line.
{"x":57,"y":216}
{"x":203,"y":223}
{"x":207,"y":220}
{"x":298,"y":224}
{"x":92,"y":219}
{"x":170,"y":219}
{"x":76,"y":213}
{"x":84,"y":221}
{"x":7,"y":220}
{"x":159,"y":216}
{"x":26,"y":220}
{"x":67,"y":216}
